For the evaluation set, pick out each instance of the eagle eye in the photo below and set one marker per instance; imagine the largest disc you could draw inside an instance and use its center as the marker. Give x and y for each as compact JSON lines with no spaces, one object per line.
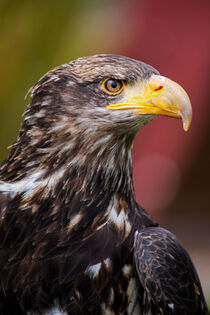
{"x":113,"y":86}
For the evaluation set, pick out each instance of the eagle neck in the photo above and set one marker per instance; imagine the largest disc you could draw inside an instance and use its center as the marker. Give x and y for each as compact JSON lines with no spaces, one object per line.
{"x":93,"y":168}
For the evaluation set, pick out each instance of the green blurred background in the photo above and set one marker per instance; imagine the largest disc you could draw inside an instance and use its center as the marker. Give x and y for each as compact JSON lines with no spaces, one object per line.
{"x":171,"y":168}
{"x":36,"y":36}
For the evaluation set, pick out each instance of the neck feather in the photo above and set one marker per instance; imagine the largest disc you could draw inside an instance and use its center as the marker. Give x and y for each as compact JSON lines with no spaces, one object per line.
{"x":86,"y":176}
{"x":86,"y":162}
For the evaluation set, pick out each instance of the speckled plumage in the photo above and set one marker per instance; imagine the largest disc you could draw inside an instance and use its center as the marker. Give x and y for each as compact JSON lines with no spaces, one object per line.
{"x":73,"y":239}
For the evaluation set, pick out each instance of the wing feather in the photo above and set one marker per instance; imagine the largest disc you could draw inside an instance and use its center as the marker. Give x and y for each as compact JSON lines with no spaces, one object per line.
{"x":169,"y":280}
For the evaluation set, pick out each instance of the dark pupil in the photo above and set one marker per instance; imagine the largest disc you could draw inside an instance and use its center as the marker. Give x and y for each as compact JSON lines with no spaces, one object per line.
{"x":114,"y":84}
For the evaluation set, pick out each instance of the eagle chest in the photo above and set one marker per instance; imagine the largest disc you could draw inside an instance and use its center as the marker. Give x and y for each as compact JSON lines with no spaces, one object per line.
{"x":100,"y":292}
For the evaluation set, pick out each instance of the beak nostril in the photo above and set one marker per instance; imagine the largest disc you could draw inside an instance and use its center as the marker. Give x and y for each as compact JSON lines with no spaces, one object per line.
{"x":158,"y":88}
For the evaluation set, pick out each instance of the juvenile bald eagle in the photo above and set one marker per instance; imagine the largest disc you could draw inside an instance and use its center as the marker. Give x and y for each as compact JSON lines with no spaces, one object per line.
{"x":73,"y":239}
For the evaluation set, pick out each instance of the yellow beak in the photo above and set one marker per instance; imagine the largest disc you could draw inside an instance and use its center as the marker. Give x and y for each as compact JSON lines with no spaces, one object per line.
{"x":158,"y":96}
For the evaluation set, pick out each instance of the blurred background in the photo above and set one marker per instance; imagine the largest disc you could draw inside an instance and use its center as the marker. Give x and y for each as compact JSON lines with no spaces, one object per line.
{"x":171,"y":167}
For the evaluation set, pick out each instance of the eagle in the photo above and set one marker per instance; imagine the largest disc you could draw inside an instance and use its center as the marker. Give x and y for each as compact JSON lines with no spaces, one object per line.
{"x":73,"y":239}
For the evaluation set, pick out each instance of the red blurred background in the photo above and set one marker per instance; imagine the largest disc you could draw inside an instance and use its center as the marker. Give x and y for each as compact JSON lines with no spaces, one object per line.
{"x":174,"y":37}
